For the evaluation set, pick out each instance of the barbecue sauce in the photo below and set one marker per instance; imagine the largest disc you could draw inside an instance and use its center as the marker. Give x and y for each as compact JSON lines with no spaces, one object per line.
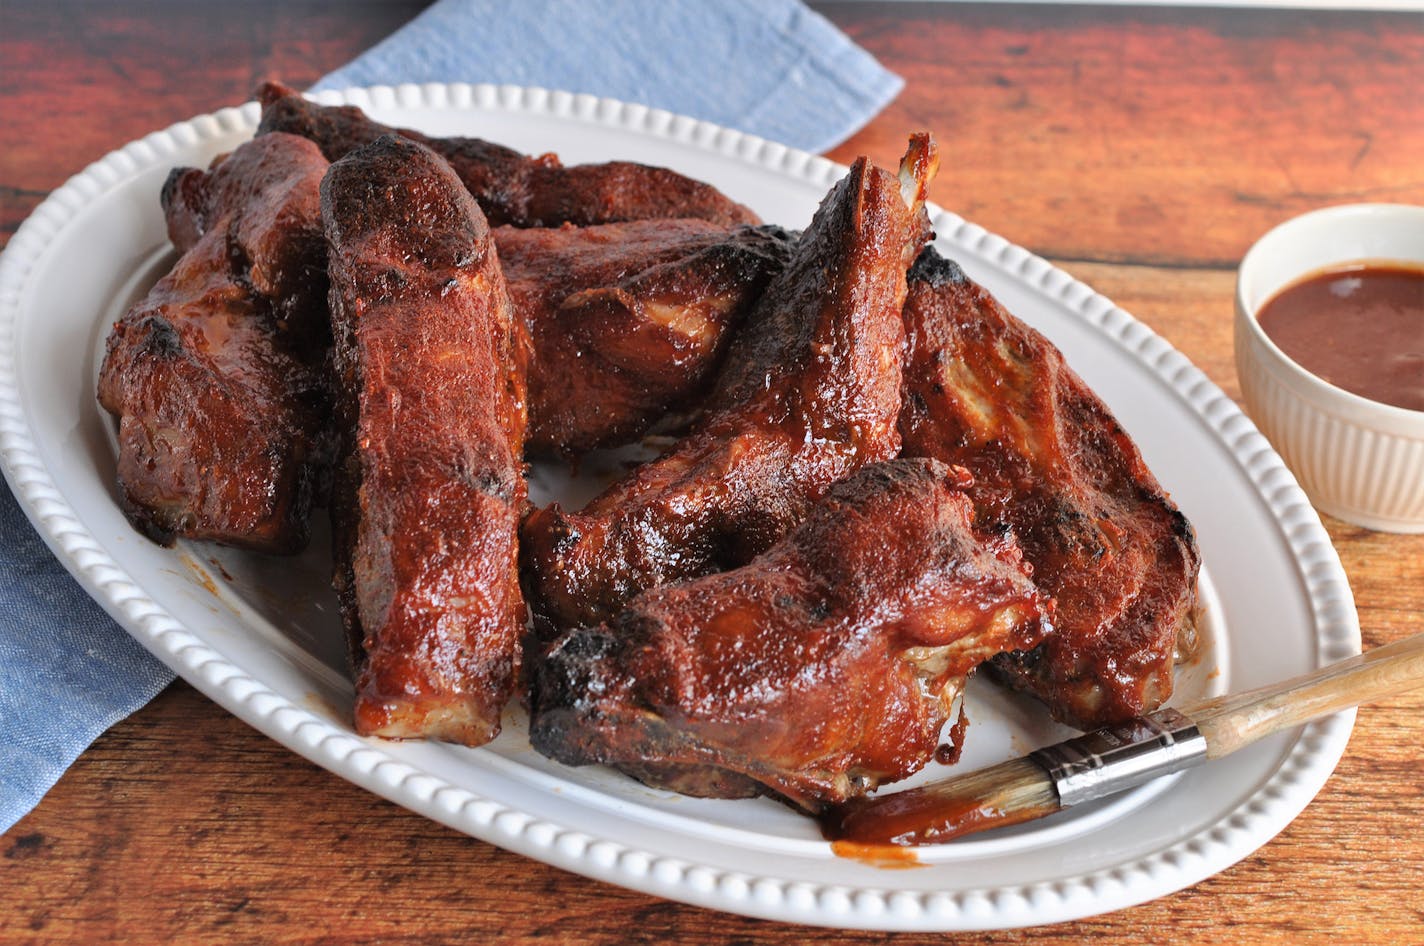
{"x":1359,"y":327}
{"x":876,"y":855}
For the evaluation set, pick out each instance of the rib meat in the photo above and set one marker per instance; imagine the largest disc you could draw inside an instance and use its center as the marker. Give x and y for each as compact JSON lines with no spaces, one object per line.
{"x":513,"y":188}
{"x":194,"y":199}
{"x":628,"y":320}
{"x":430,"y":409}
{"x":219,"y":395}
{"x":821,"y":669}
{"x":809,"y":394}
{"x":988,"y":393}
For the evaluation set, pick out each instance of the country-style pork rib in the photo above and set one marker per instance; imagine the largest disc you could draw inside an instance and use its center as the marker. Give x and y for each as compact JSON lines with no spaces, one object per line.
{"x":194,"y":199}
{"x":986,"y":392}
{"x":809,"y":394}
{"x":213,"y":377}
{"x":820,"y":670}
{"x":628,"y":320}
{"x":513,"y":188}
{"x":430,"y":412}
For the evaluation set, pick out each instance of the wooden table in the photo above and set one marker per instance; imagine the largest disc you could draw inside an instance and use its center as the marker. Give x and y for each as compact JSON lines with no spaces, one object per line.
{"x":1141,"y":149}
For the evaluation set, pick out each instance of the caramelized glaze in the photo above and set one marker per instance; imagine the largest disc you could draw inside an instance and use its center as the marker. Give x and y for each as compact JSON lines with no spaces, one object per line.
{"x":808,"y":394}
{"x":514,"y":188}
{"x":1049,"y":462}
{"x":629,"y":321}
{"x":216,"y":375}
{"x":823,"y":668}
{"x":429,"y":482}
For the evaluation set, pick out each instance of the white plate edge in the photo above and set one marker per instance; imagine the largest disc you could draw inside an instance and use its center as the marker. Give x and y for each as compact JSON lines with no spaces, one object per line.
{"x":1311,"y":760}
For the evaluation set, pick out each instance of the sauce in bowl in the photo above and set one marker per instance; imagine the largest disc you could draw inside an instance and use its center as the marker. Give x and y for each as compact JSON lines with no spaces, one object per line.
{"x":1358,"y":326}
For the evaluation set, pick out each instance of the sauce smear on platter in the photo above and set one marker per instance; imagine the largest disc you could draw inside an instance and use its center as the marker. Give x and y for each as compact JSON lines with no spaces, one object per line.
{"x":1359,"y":327}
{"x":884,"y":856}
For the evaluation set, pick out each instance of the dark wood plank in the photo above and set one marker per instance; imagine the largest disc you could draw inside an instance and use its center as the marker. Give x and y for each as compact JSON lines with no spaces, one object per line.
{"x":78,"y":79}
{"x":1171,"y":136}
{"x":1141,"y":149}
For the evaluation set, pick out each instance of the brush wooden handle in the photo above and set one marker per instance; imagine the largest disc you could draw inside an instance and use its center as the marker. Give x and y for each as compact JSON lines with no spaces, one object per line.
{"x":1230,"y":722}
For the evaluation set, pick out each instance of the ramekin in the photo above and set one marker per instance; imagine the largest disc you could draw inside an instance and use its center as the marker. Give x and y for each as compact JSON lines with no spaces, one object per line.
{"x":1357,"y":459}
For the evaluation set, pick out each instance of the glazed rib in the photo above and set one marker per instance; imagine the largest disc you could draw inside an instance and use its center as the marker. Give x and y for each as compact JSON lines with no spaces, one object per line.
{"x":820,"y":670}
{"x":194,"y":199}
{"x":513,"y":188}
{"x":808,"y":394}
{"x":988,"y":393}
{"x":628,"y":320}
{"x":430,"y":410}
{"x":213,"y":377}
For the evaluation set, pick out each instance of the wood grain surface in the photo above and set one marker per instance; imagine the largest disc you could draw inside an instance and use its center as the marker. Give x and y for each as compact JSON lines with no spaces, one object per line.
{"x":1141,"y":149}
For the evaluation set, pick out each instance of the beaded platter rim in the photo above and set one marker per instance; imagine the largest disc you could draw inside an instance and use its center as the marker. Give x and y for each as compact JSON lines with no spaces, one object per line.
{"x":1238,"y":832}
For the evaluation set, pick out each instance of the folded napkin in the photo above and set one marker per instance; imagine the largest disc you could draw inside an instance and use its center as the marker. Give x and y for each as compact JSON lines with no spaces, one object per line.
{"x":67,"y":671}
{"x":771,"y":67}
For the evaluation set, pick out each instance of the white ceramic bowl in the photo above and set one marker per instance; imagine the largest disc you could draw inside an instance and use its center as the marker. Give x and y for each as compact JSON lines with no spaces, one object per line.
{"x":1358,"y":460}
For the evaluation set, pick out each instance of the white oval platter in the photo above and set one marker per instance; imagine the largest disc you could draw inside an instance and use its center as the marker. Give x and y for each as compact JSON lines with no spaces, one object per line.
{"x":261,"y":637}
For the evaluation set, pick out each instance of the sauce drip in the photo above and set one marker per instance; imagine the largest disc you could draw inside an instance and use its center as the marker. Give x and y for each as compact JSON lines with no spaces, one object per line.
{"x":876,"y":855}
{"x":1359,"y":327}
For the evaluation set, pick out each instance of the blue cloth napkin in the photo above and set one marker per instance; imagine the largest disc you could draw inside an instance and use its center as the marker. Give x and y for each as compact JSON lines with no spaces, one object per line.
{"x":770,"y":67}
{"x":67,"y":671}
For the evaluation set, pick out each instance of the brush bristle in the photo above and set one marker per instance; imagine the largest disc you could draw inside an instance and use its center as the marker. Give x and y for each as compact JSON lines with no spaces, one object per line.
{"x":1003,"y":794}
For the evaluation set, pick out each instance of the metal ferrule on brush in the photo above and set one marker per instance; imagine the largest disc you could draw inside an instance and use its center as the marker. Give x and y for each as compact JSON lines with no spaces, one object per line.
{"x":1110,"y":760}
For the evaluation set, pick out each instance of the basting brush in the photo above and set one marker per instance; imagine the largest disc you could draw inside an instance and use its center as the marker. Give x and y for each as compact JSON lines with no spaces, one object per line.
{"x":1115,"y":759}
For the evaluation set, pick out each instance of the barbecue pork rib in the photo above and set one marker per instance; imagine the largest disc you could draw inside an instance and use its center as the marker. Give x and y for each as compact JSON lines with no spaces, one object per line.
{"x":808,"y":394}
{"x":513,"y":188}
{"x":430,"y":412}
{"x":628,"y":320}
{"x":986,"y":392}
{"x":193,"y":199}
{"x":821,"y":669}
{"x":218,"y":391}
